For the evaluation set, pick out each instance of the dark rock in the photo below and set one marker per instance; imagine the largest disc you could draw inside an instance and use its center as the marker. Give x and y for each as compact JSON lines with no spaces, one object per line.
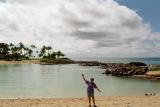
{"x":88,"y":63}
{"x":119,"y":69}
{"x":107,"y":71}
{"x":137,"y":64}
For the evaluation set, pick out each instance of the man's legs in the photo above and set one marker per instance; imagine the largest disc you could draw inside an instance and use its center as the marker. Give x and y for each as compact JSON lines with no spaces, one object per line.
{"x":93,"y":99}
{"x":89,"y":99}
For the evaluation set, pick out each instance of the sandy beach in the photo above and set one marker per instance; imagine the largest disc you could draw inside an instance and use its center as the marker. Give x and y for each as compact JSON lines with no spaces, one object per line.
{"x":154,"y":73}
{"x":110,"y":101}
{"x":20,"y":62}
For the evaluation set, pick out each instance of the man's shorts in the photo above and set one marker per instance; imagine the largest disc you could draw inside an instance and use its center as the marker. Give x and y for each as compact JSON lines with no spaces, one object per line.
{"x":90,"y":94}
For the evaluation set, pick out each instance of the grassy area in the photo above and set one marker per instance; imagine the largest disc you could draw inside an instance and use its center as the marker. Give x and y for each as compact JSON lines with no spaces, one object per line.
{"x":57,"y":61}
{"x":153,"y":68}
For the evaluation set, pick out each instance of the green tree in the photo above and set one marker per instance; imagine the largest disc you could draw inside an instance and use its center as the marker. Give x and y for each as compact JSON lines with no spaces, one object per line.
{"x":4,"y":50}
{"x":42,"y":51}
{"x":21,"y":48}
{"x":29,"y":52}
{"x":48,"y":48}
{"x":33,"y":47}
{"x":59,"y":54}
{"x":53,"y":55}
{"x":16,"y":53}
{"x":11,"y":44}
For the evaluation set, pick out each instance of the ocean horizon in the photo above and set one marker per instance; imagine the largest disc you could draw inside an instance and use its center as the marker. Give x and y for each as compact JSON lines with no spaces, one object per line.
{"x":147,"y":60}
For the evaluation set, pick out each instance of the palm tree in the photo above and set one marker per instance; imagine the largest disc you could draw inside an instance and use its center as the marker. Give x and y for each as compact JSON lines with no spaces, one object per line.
{"x":4,"y":50}
{"x":37,"y":51}
{"x":42,"y":51}
{"x":59,"y":54}
{"x":33,"y":47}
{"x":29,"y":52}
{"x":21,"y":45}
{"x":16,"y":53}
{"x":11,"y":44}
{"x":21,"y":48}
{"x":53,"y":55}
{"x":25,"y":51}
{"x":48,"y":48}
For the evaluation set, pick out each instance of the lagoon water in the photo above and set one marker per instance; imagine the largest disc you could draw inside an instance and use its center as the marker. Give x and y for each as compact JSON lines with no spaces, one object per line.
{"x":43,"y":81}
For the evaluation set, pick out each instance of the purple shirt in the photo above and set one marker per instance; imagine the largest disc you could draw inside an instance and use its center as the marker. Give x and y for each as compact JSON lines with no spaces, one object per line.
{"x":91,"y":86}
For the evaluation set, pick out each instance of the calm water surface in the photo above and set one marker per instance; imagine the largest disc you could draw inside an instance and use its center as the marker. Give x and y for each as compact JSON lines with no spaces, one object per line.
{"x":35,"y":81}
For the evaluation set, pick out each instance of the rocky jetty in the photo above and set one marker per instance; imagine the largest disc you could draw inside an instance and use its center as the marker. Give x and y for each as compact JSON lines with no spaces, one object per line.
{"x":120,"y":69}
{"x":88,"y":63}
{"x":132,"y":69}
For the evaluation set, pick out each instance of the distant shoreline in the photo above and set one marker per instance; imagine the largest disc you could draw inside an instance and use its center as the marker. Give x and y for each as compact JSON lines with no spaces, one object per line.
{"x":32,"y":61}
{"x":20,"y":62}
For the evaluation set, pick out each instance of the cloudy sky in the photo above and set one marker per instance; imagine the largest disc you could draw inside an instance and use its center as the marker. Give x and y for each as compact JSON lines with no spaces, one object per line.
{"x":110,"y":28}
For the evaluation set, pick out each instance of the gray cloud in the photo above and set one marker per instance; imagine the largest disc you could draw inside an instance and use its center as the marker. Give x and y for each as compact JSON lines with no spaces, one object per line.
{"x":13,"y":26}
{"x":94,"y":13}
{"x":91,"y":35}
{"x":78,"y":24}
{"x":3,"y":0}
{"x":109,"y":43}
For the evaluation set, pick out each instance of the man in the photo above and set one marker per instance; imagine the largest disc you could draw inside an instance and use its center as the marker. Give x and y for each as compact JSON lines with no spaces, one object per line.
{"x":90,"y":90}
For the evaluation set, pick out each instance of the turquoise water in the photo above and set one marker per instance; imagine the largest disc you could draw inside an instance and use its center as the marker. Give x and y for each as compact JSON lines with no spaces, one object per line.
{"x":36,"y":81}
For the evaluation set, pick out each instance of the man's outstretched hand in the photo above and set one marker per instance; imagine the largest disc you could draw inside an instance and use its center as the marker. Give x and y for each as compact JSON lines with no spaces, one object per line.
{"x":82,"y":75}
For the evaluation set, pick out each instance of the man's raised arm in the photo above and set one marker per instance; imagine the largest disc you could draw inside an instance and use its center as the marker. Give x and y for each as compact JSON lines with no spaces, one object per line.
{"x":84,"y":78}
{"x":97,"y":88}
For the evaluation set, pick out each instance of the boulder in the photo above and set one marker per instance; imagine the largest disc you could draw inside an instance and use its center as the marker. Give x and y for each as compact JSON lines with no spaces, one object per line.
{"x":107,"y":71}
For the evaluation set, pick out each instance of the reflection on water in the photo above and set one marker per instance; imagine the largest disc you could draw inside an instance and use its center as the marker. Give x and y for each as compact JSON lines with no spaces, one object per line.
{"x":32,"y":80}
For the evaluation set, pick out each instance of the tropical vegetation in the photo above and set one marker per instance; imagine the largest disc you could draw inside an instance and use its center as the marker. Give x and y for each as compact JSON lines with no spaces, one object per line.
{"x":18,"y":52}
{"x":14,"y":52}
